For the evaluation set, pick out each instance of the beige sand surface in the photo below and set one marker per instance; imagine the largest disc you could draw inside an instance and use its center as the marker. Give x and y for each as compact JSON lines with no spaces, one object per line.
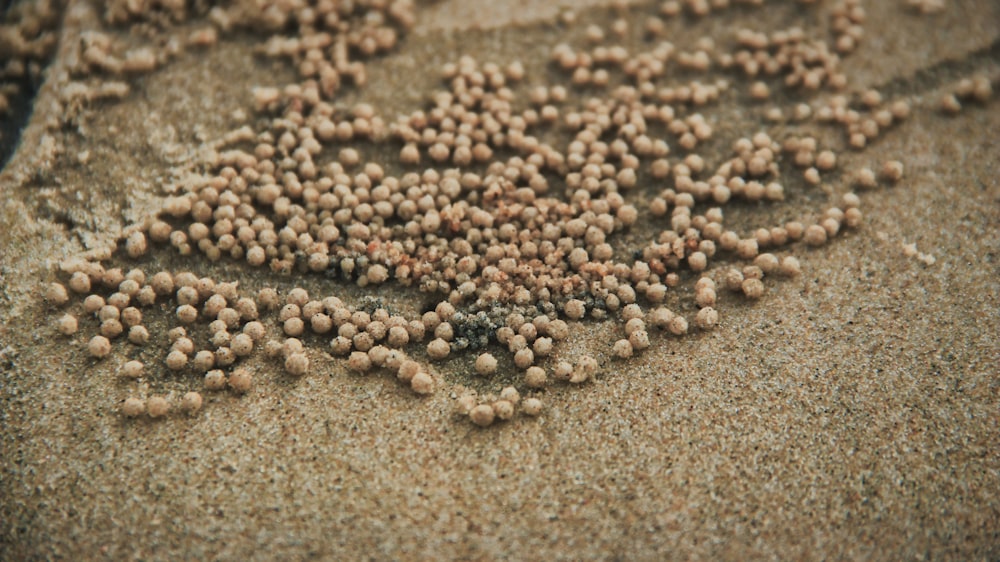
{"x":851,"y":413}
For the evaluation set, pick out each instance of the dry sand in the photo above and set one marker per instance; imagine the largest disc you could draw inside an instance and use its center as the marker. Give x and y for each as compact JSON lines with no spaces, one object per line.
{"x":851,"y":413}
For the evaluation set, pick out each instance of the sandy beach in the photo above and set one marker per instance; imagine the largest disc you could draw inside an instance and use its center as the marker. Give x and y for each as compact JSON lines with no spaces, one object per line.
{"x":851,"y":412}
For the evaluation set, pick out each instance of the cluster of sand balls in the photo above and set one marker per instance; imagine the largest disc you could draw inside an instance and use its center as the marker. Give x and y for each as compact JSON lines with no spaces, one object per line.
{"x":977,"y":89}
{"x":927,"y":6}
{"x":116,"y":303}
{"x":27,"y":40}
{"x":484,"y":411}
{"x":327,"y":41}
{"x":520,"y":208}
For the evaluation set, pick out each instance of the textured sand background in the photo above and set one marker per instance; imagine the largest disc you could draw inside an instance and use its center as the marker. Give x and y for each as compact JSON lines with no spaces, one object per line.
{"x":851,"y":413}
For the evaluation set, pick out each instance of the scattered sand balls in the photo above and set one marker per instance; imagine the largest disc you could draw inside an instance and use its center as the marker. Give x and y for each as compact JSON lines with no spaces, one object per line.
{"x":524,"y":358}
{"x":639,"y":340}
{"x":767,"y":262}
{"x":133,"y":407}
{"x":422,"y":383}
{"x":191,"y":402}
{"x":950,"y":104}
{"x":111,"y":328}
{"x":341,"y":345}
{"x":131,"y":316}
{"x":733,"y":282}
{"x":294,"y":327}
{"x":575,"y":309}
{"x":187,"y":314}
{"x":532,"y":407}
{"x":706,"y":318}
{"x":157,"y":407}
{"x":542,"y":346}
{"x":865,"y":178}
{"x":79,"y":282}
{"x":464,"y":404}
{"x":535,"y":377}
{"x":678,"y":325}
{"x":215,"y":380}
{"x":67,"y":324}
{"x":297,"y":364}
{"x":697,"y":261}
{"x":255,"y":330}
{"x":240,"y":380}
{"x":138,"y":335}
{"x":360,"y":362}
{"x":892,"y":171}
{"x":510,"y":394}
{"x":815,"y":235}
{"x":927,"y":6}
{"x":133,"y":369}
{"x":398,"y":337}
{"x":826,"y":160}
{"x":760,"y":91}
{"x":93,"y":303}
{"x":910,"y":251}
{"x":56,"y":294}
{"x":978,"y":88}
{"x":622,"y":349}
{"x":706,"y":296}
{"x":486,"y":364}
{"x":482,"y":415}
{"x":176,"y":360}
{"x":135,"y":245}
{"x":790,"y":266}
{"x":491,"y":235}
{"x":853,"y":217}
{"x":438,"y":349}
{"x":99,"y":347}
{"x":753,"y":288}
{"x":563,"y":371}
{"x":503,"y":410}
{"x":747,"y":249}
{"x":203,"y":361}
{"x":378,"y":354}
{"x":241,"y":344}
{"x":408,"y":369}
{"x":586,"y":369}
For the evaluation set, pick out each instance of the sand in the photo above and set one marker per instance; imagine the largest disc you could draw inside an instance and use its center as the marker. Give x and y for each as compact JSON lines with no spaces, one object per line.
{"x":851,"y":413}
